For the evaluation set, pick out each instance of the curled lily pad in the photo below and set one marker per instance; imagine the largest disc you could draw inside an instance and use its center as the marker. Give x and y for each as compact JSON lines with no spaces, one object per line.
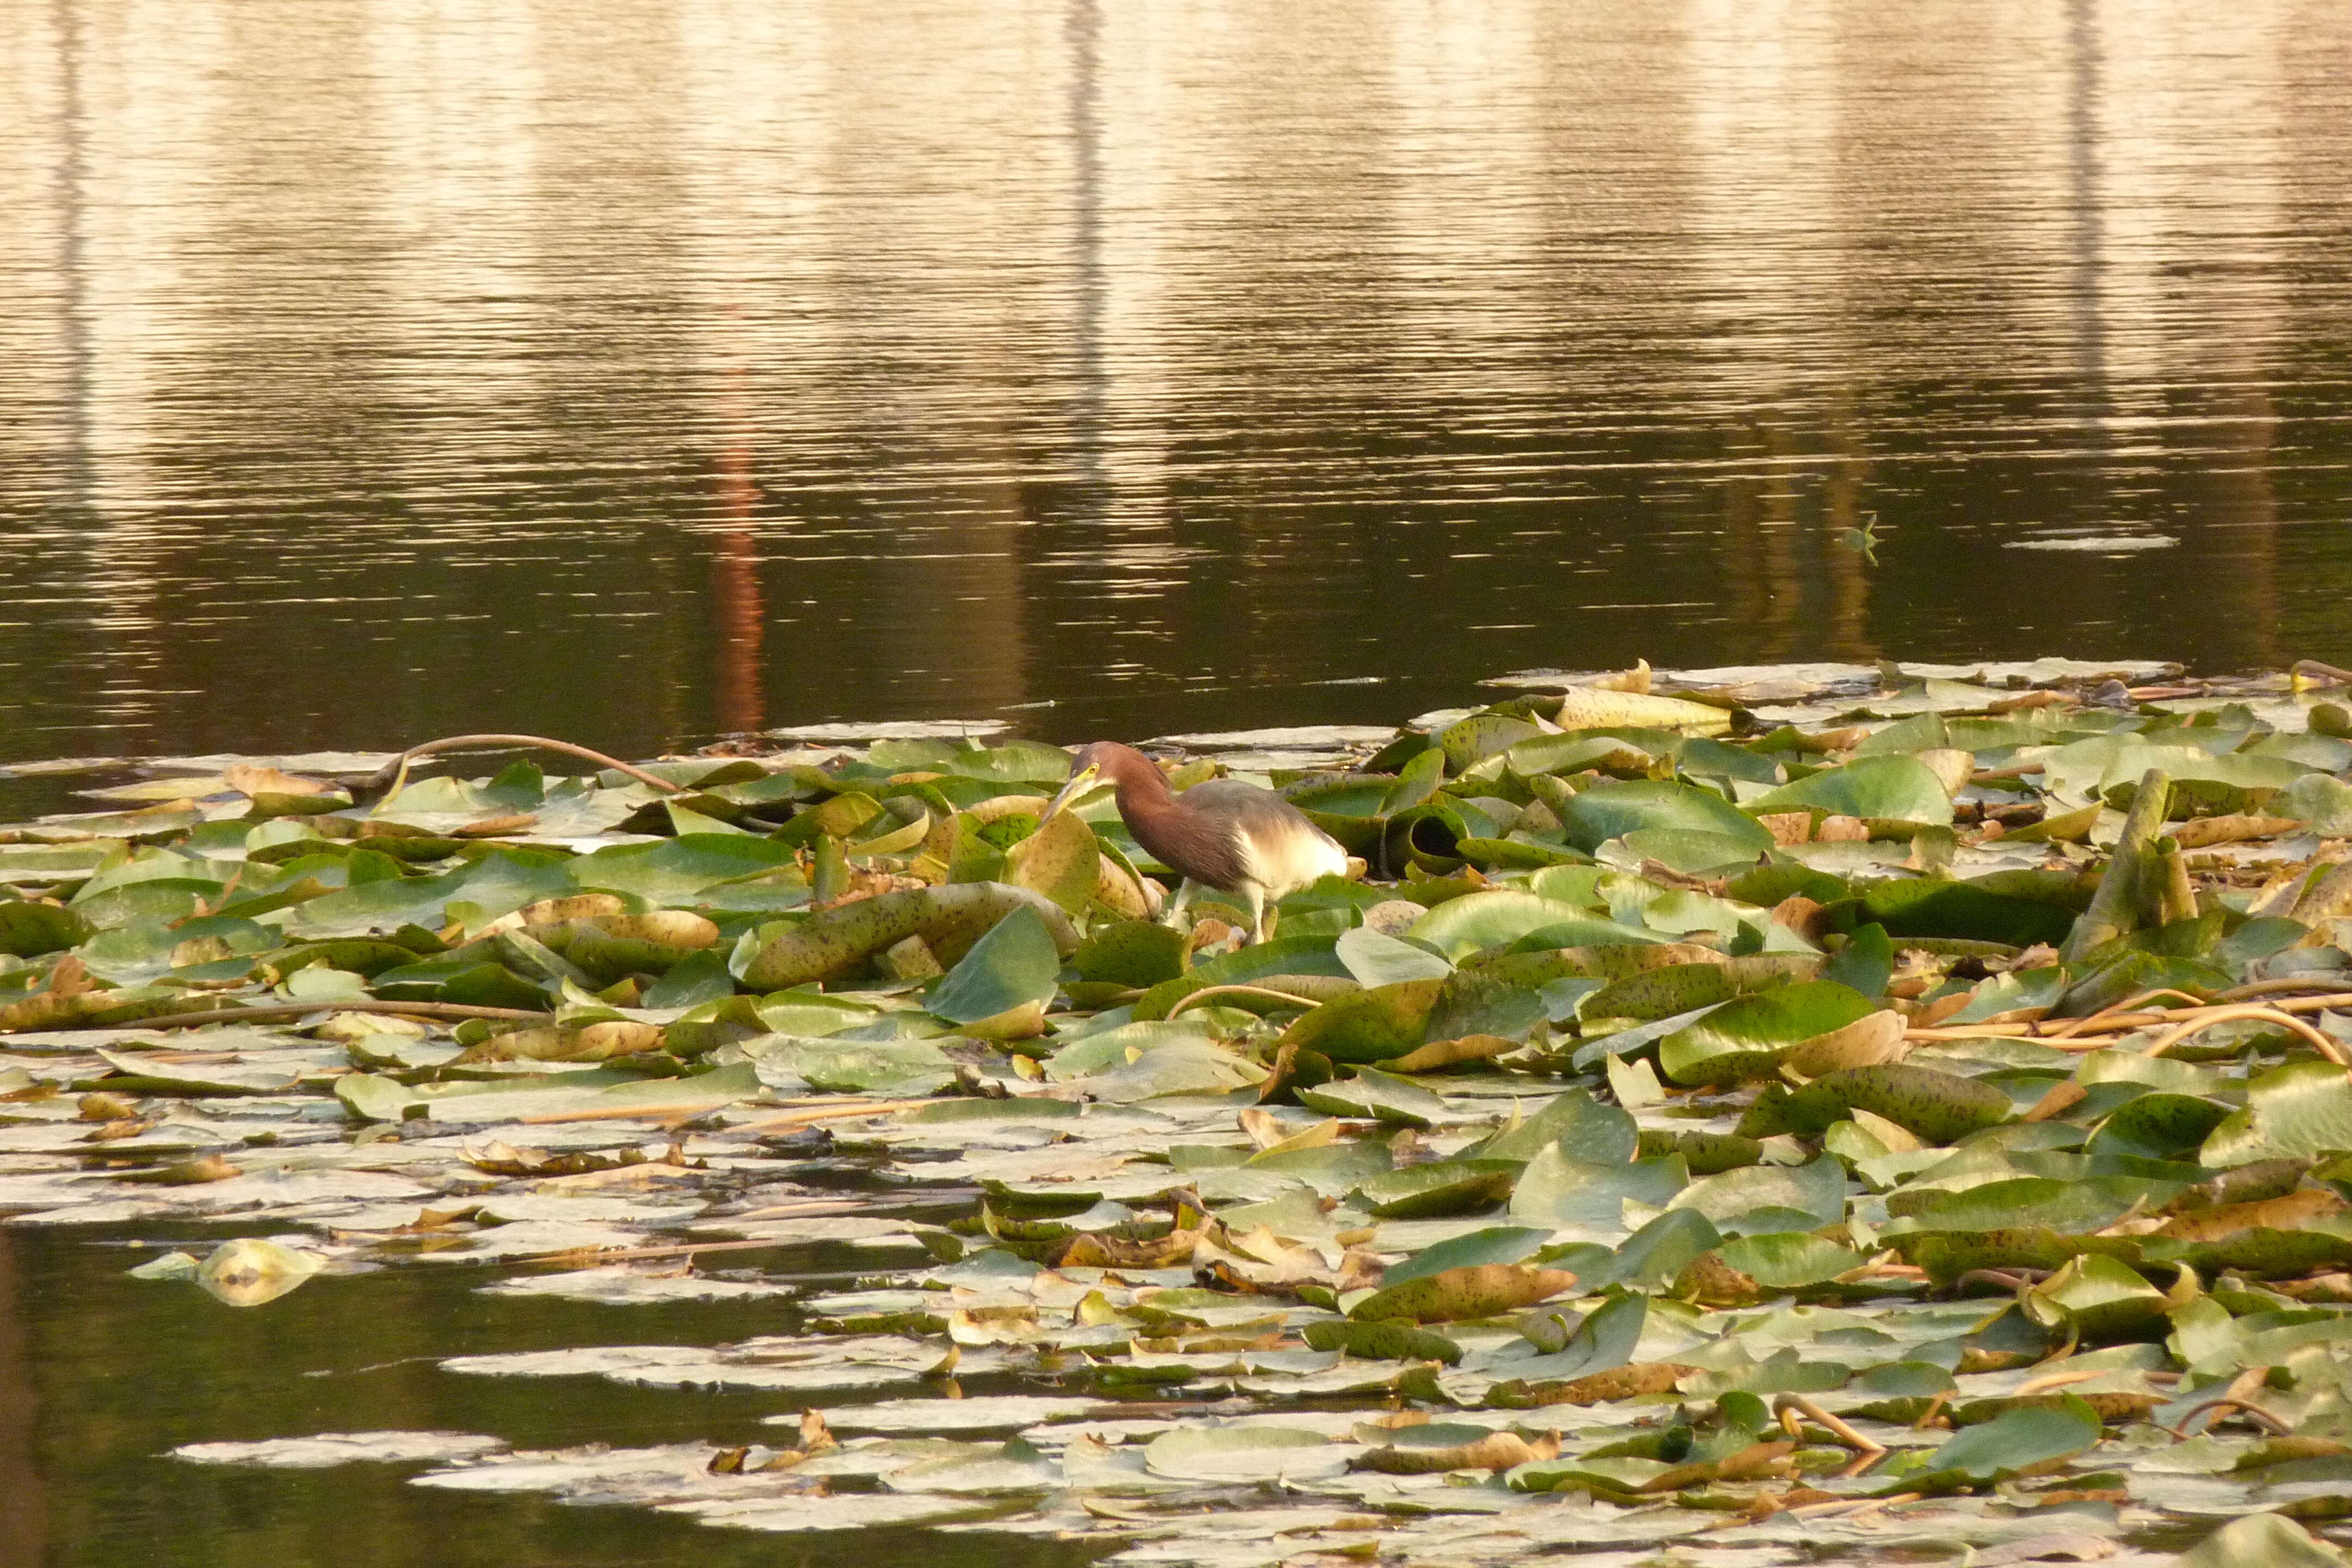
{"x":249,"y":1271}
{"x":1748,"y":1037}
{"x":1385,"y":1340}
{"x":1595,"y":815}
{"x":1284,"y":955}
{"x":1375,"y":958}
{"x":1788,"y":1261}
{"x":2021,"y":1443}
{"x":1884,"y":788}
{"x":1429,"y":1450}
{"x":29,"y":929}
{"x":2100,"y":1299}
{"x":2300,"y":1110}
{"x":1380,"y":1096}
{"x":1451,"y":1295}
{"x":1371,"y":1025}
{"x":1133,"y":954}
{"x":2262,"y":1541}
{"x":1581,"y":1127}
{"x":1243,"y":1454}
{"x":1013,"y":965}
{"x":949,"y":919}
{"x":1939,"y":1107}
{"x":1584,"y":708}
{"x":1060,"y":861}
{"x":1566,"y":1193}
{"x":1440,"y":1187}
{"x":1462,"y":926}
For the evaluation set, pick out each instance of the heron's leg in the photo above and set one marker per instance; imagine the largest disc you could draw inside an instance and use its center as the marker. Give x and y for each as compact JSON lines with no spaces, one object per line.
{"x":1257,"y":911}
{"x":1173,"y":915}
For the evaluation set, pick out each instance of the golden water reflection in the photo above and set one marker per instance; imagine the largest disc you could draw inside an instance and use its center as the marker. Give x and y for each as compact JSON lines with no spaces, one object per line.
{"x":657,"y":369}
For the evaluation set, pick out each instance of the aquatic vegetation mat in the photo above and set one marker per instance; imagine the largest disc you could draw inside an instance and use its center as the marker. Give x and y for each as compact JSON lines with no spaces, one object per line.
{"x":1747,"y":1116}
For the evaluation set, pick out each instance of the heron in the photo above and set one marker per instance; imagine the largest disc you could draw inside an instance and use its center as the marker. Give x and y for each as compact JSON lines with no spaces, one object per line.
{"x":1223,"y":834}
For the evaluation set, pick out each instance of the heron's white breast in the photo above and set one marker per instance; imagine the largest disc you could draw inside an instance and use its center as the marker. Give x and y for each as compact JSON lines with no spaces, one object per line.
{"x":1292,"y":861}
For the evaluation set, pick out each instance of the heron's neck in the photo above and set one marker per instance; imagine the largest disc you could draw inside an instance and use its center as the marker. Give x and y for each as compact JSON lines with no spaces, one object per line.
{"x":1142,"y":789}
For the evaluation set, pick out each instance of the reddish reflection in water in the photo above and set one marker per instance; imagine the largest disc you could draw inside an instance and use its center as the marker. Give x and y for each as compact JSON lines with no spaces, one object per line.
{"x":24,"y":1512}
{"x":735,"y":606}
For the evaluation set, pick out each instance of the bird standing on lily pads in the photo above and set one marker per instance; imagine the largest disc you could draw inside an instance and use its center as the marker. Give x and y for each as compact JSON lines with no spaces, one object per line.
{"x":1226,"y":834}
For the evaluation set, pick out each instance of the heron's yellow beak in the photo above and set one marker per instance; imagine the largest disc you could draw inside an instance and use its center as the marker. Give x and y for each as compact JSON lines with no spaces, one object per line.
{"x":1081,"y":782}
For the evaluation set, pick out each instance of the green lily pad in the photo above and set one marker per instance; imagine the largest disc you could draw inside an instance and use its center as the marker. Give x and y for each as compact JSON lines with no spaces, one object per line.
{"x":1607,"y":811}
{"x":1895,"y":788}
{"x":949,"y":919}
{"x":2300,"y":1110}
{"x":1374,"y":1024}
{"x":1384,"y":1097}
{"x":2020,"y":1442}
{"x":1939,"y":1107}
{"x":1563,"y":1192}
{"x":1748,"y":1037}
{"x":1439,"y":1188}
{"x":1460,"y":927}
{"x":1015,"y":965}
{"x":1136,"y":953}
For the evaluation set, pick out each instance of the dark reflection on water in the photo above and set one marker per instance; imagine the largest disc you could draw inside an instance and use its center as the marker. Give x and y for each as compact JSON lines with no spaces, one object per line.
{"x":122,"y":1371}
{"x":642,"y":370}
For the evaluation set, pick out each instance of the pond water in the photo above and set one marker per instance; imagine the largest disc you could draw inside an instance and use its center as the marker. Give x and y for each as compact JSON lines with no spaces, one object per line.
{"x":112,"y":1373}
{"x":644,"y":371}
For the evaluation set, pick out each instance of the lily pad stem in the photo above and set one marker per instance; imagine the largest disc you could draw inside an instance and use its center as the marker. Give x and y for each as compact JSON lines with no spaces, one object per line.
{"x":2108,"y":1015}
{"x":2254,"y":1413}
{"x":2336,"y":997}
{"x":1207,"y":991}
{"x":287,"y":1012}
{"x":2209,"y":1017}
{"x":389,"y":779}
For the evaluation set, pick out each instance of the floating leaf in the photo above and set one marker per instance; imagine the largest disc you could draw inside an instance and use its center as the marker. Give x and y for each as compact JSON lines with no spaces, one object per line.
{"x":1439,"y":1188}
{"x":1593,"y":816}
{"x":1060,"y":861}
{"x":249,"y":1271}
{"x":1563,"y":1192}
{"x":1459,"y":927}
{"x":2300,"y":1110}
{"x":1479,"y":1292}
{"x":1582,"y":1127}
{"x":1770,"y":1197}
{"x":29,"y":929}
{"x":1429,"y":1450}
{"x":2020,"y":1443}
{"x":1243,"y":1454}
{"x":1375,"y":958}
{"x":2262,"y":1541}
{"x":1897,"y":788}
{"x":1382,"y":1096}
{"x":1370,"y":1025}
{"x":1584,"y":708}
{"x":1382,"y":1341}
{"x":949,"y":920}
{"x":1939,"y":1107}
{"x":1137,"y":953}
{"x":1015,"y":965}
{"x":1748,"y":1037}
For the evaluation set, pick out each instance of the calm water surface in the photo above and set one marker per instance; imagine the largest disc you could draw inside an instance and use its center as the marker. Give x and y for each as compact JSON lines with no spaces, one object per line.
{"x":639,"y":371}
{"x":634,"y":371}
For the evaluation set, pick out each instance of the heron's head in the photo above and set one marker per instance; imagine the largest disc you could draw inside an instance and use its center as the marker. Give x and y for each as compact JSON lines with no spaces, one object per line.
{"x":1086,"y":771}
